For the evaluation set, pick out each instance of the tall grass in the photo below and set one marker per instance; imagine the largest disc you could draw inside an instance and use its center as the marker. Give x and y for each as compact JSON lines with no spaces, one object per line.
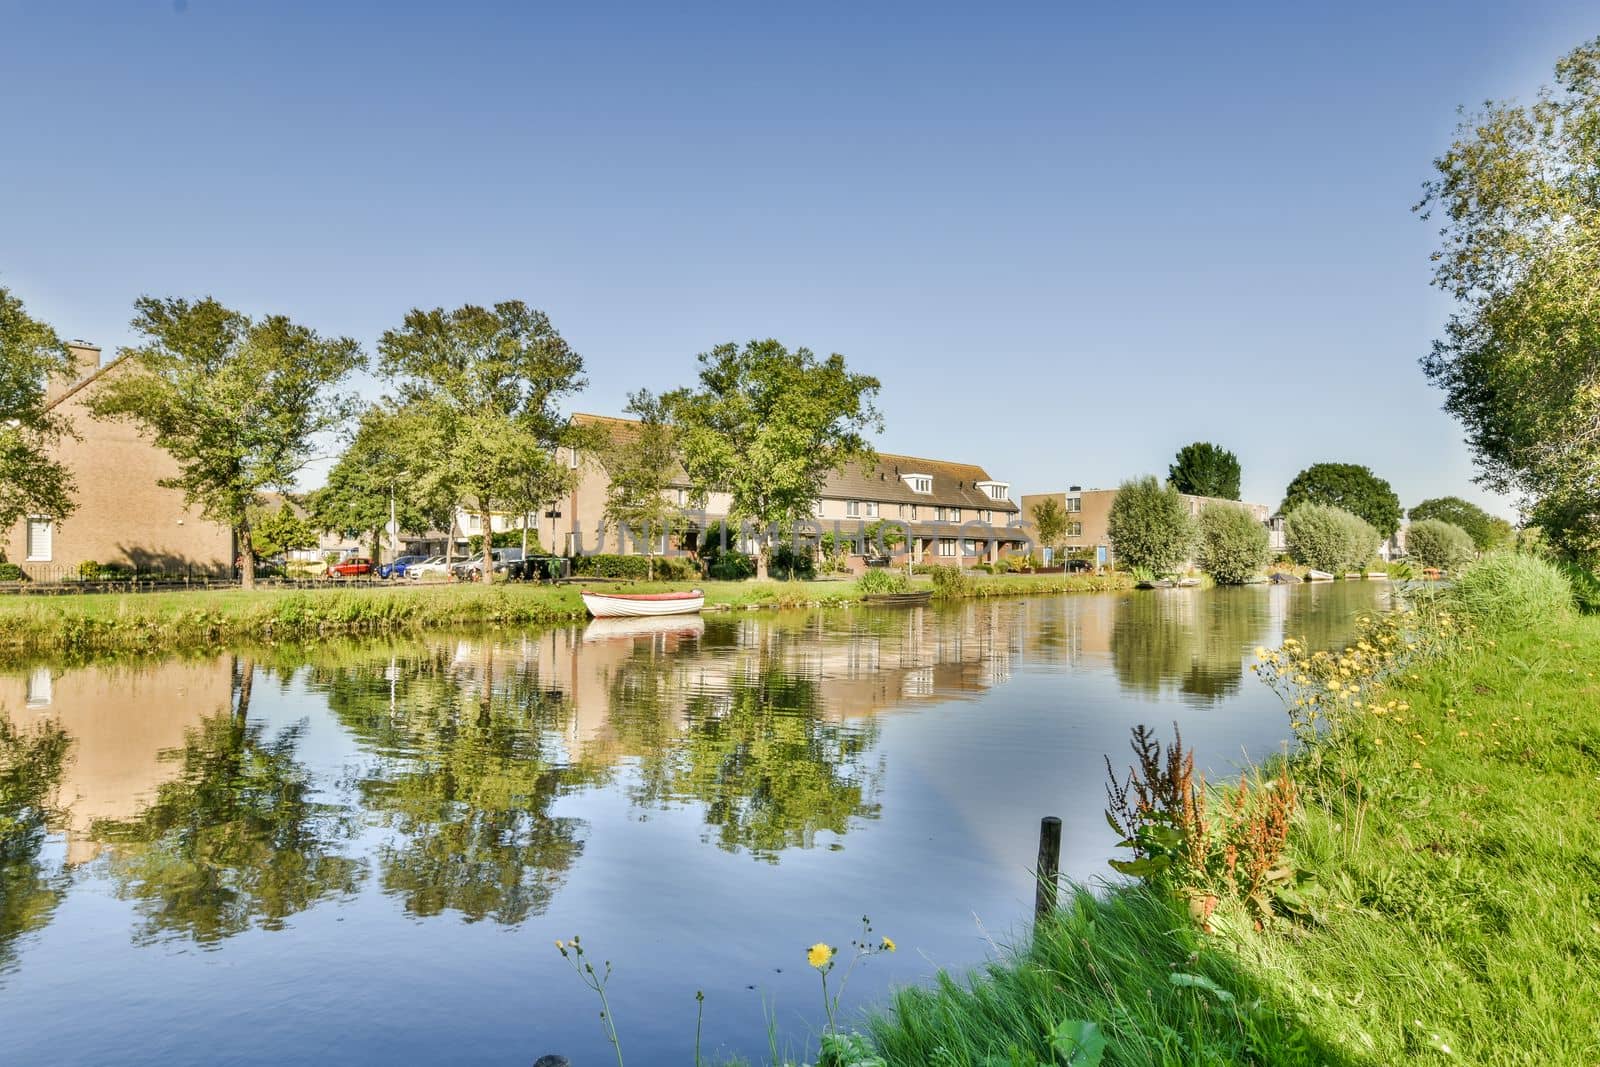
{"x":1513,"y":590}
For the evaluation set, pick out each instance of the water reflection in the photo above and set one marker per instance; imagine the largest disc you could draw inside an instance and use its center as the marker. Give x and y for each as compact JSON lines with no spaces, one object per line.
{"x":236,"y":838}
{"x":31,"y":886}
{"x":1173,"y":639}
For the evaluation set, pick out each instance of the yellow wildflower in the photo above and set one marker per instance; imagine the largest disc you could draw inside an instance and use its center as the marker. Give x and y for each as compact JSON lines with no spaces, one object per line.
{"x":888,"y":944}
{"x":1378,"y":741}
{"x":819,"y":955}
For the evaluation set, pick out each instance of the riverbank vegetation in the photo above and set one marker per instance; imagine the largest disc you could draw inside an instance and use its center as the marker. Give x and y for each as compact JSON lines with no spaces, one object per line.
{"x":142,"y":623}
{"x":1416,"y":882}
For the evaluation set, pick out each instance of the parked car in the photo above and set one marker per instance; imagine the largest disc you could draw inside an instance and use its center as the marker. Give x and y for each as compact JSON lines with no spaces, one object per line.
{"x":432,"y":567}
{"x":397,"y":568}
{"x":355,"y":566}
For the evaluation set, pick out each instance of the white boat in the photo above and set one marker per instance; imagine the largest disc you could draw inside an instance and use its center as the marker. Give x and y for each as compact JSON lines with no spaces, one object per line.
{"x":636,"y":605}
{"x":1318,"y":576}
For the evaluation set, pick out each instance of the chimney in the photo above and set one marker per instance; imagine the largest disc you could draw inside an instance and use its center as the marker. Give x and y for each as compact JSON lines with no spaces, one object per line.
{"x":84,"y":360}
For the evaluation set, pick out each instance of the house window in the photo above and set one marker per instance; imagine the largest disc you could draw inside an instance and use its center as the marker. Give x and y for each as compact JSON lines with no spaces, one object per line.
{"x":955,"y":514}
{"x":1074,"y":529}
{"x":475,"y":522}
{"x":920,"y":483}
{"x":1074,"y":503}
{"x":947,"y":546}
{"x":572,"y":458}
{"x":908,"y":511}
{"x":683,"y":498}
{"x":41,"y":538}
{"x":872,"y":509}
{"x":986,"y":516}
{"x":852,"y":508}
{"x":969,"y":547}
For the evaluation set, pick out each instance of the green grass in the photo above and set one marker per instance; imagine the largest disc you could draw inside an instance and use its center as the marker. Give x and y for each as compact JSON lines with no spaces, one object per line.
{"x":1456,"y":850}
{"x":87,"y":624}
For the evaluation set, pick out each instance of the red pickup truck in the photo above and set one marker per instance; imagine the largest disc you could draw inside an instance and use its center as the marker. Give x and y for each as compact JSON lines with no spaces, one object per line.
{"x":351,"y":568}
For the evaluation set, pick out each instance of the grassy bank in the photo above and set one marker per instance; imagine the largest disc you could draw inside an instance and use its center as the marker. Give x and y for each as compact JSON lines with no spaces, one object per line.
{"x":1446,"y":896}
{"x":97,"y":623}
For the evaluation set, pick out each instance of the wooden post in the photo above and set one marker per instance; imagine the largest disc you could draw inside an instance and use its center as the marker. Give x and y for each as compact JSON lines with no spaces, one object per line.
{"x":1049,"y":869}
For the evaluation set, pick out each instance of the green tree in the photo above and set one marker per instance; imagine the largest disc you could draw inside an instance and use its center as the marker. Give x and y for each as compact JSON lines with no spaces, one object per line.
{"x":372,"y":480}
{"x":766,"y":426}
{"x":238,"y":403}
{"x":1520,"y":254}
{"x":1050,"y":520}
{"x":1349,"y":487}
{"x":488,"y":382}
{"x":30,"y":354}
{"x":1150,"y":526}
{"x":1486,"y":530}
{"x":1233,"y":545}
{"x":640,"y":461}
{"x":275,"y":532}
{"x":1329,"y":539}
{"x":1436,"y":543}
{"x":1205,"y":469}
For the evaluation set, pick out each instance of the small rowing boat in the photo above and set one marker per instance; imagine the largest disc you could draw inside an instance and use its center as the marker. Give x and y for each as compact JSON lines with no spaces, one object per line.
{"x":899,"y":600}
{"x":636,"y":605}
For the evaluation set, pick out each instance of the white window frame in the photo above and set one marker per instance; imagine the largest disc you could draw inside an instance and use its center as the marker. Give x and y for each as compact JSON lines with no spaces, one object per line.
{"x":954,"y":514}
{"x":1074,"y":503}
{"x":872,"y":509}
{"x":852,"y":509}
{"x":572,"y":458}
{"x":34,"y":555}
{"x":969,"y":547}
{"x":919,"y":483}
{"x":474,"y":523}
{"x":1074,"y":529}
{"x":948,"y":547}
{"x":986,"y":516}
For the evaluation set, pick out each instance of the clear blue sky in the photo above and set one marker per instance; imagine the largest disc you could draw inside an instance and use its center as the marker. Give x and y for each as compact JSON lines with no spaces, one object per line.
{"x":1067,"y":241}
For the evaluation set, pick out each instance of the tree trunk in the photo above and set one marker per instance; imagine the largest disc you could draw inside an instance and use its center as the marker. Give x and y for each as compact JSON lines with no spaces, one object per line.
{"x":488,"y":549}
{"x":650,"y":566}
{"x":247,"y":556}
{"x":763,"y":554}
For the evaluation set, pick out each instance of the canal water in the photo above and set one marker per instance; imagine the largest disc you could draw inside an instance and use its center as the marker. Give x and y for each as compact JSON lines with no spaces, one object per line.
{"x":362,"y":852}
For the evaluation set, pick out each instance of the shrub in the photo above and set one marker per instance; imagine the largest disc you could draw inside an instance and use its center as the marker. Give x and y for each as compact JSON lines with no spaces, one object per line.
{"x":1585,"y":587}
{"x":1233,"y":545}
{"x":882,"y":580}
{"x":1329,"y":538}
{"x":668,"y":568}
{"x":1513,"y":590}
{"x":950,"y":581}
{"x":11,"y":572}
{"x":1150,"y":526}
{"x":88,"y":570}
{"x":787,"y":561}
{"x":731,"y":566}
{"x":1436,"y":543}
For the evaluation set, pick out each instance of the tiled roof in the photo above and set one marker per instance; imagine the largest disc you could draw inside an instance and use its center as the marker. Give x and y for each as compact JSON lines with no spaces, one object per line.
{"x":954,"y":484}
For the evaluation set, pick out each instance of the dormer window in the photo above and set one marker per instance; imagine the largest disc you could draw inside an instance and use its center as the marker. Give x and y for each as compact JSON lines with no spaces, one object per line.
{"x":919,"y":483}
{"x":994,"y":490}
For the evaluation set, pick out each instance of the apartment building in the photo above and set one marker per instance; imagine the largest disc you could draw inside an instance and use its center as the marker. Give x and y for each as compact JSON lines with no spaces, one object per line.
{"x":938,"y":511}
{"x":1089,"y":519}
{"x":124,"y":516}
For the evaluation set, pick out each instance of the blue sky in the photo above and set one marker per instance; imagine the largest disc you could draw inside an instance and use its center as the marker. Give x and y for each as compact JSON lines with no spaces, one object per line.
{"x":1068,"y":241}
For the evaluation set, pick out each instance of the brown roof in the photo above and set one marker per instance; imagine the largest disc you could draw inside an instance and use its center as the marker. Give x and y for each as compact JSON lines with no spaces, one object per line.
{"x":954,"y":484}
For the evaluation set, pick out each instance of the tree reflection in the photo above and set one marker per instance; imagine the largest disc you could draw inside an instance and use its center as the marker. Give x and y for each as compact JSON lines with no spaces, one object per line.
{"x":768,"y":769}
{"x":236,"y":839}
{"x":1193,"y":642}
{"x":31,"y":762}
{"x":465,"y":776}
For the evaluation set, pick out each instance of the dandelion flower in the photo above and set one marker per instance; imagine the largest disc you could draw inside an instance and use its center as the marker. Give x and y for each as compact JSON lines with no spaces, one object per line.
{"x":819,"y":955}
{"x":888,"y":944}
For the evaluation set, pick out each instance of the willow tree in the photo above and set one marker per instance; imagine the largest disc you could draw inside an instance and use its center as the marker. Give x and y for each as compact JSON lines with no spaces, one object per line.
{"x":490,"y":380}
{"x":767,"y":426}
{"x":30,"y":354}
{"x":239,"y":403}
{"x":1519,"y":362}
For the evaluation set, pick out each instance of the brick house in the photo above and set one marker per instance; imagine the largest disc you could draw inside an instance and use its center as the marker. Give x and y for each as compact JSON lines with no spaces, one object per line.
{"x":124,"y":517}
{"x":945,"y":512}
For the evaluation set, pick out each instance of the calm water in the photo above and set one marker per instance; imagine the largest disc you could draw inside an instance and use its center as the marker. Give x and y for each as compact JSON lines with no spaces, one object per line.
{"x":361,"y":852}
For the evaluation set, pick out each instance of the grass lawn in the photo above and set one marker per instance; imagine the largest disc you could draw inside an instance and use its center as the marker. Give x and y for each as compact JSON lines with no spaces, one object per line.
{"x":96,"y":623}
{"x":1455,"y":845}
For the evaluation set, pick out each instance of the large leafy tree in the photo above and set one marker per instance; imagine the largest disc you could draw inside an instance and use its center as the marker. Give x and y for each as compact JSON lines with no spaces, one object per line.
{"x":1349,"y":487}
{"x":1150,"y":526}
{"x":767,"y":425}
{"x":372,"y":480}
{"x":239,"y":403}
{"x":1519,"y":362}
{"x":1205,"y":469}
{"x":30,"y":353}
{"x":1050,"y":521}
{"x":276,"y":532}
{"x":640,"y":461}
{"x":1486,"y":530}
{"x":489,"y":381}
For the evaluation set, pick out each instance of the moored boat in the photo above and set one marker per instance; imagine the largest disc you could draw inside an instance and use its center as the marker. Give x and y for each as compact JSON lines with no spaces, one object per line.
{"x":922,"y":596}
{"x":636,"y":605}
{"x":1318,"y":576}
